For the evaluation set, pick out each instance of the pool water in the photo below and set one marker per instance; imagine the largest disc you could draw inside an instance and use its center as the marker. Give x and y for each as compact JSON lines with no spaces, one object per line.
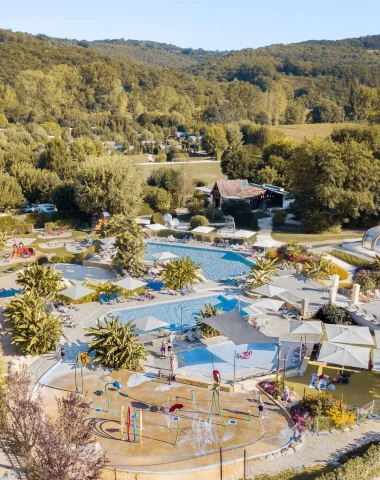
{"x":170,"y":312}
{"x":223,"y":355}
{"x":216,"y":264}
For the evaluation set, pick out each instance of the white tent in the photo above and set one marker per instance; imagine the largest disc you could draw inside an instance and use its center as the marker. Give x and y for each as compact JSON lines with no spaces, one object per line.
{"x":149,"y":323}
{"x":203,"y":229}
{"x":107,"y":242}
{"x":266,"y":243}
{"x":309,"y":327}
{"x":269,"y":304}
{"x":164,"y":256}
{"x":345,"y":355}
{"x":269,"y":290}
{"x":349,"y":334}
{"x":76,"y":292}
{"x":130,"y":283}
{"x":243,"y":234}
{"x":156,"y":227}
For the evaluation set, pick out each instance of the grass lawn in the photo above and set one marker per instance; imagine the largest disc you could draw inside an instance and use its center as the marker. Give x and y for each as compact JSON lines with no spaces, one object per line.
{"x":209,"y":172}
{"x":362,"y":389}
{"x":289,"y":232}
{"x":138,"y":158}
{"x":306,"y":130}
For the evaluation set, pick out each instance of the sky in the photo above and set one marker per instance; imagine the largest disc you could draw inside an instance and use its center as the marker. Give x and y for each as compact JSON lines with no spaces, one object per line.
{"x":208,"y":24}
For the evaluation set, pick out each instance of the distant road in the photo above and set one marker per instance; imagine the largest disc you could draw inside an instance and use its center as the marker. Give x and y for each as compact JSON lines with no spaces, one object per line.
{"x":178,"y":163}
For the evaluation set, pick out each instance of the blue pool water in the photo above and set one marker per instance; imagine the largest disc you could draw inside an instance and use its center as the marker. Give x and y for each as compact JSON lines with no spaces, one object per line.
{"x":216,"y":264}
{"x":200,"y":360}
{"x":170,"y":312}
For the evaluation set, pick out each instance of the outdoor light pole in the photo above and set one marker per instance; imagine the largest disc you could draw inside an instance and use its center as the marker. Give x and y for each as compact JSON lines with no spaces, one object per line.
{"x":116,"y":385}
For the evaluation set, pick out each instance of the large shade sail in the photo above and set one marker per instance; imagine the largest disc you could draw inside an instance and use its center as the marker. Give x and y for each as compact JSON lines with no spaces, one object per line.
{"x":76,"y":292}
{"x":345,"y":355}
{"x":130,"y":283}
{"x":164,"y":256}
{"x":269,"y":290}
{"x":269,"y":304}
{"x":150,"y":323}
{"x":156,"y":227}
{"x":310,"y":327}
{"x":349,"y":334}
{"x":236,"y":328}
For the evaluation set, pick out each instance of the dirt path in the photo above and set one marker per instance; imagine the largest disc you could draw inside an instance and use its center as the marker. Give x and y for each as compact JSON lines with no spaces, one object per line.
{"x":322,"y":449}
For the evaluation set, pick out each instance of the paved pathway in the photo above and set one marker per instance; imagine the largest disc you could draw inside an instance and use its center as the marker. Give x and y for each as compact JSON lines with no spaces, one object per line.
{"x":170,"y":164}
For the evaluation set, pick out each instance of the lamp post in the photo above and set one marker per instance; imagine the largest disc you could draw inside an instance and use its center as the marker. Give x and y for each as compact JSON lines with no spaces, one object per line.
{"x":118,"y":386}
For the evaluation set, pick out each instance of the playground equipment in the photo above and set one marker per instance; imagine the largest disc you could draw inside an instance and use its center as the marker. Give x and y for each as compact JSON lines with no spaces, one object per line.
{"x":82,"y":360}
{"x":134,"y":418}
{"x":229,"y":226}
{"x":216,"y":396}
{"x":176,"y":408}
{"x":21,"y":252}
{"x":118,"y":386}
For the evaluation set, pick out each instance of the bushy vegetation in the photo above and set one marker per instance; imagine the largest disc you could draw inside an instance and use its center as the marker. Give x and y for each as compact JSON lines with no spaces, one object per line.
{"x":278,"y":218}
{"x":198,"y":221}
{"x":349,"y":258}
{"x":207,"y":312}
{"x":334,"y":315}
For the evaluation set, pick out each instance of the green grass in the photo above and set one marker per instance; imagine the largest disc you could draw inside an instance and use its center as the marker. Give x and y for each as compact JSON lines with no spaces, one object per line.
{"x":138,"y":158}
{"x":209,"y":172}
{"x":351,"y":259}
{"x":306,"y":130}
{"x":289,"y":232}
{"x":10,"y":268}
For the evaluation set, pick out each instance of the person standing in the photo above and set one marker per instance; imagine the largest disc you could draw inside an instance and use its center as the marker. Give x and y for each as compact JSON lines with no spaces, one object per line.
{"x":286,"y":395}
{"x":261,"y":408}
{"x":170,"y":346}
{"x":163,"y":349}
{"x":62,"y":354}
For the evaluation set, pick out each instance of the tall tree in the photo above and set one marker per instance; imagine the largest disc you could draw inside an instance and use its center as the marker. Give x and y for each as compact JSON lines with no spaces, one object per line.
{"x":131,"y":249}
{"x":215,"y":141}
{"x":178,"y":273}
{"x":11,"y":193}
{"x":43,"y":280}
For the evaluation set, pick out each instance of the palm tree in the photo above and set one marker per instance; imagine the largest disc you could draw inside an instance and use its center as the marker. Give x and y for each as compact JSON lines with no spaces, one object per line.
{"x":319,"y":269}
{"x":131,"y":250}
{"x":375,"y":265}
{"x":43,"y":280}
{"x":115,"y":345}
{"x":208,"y":311}
{"x":3,"y":241}
{"x":33,"y":330}
{"x":262,"y":271}
{"x":177,"y":273}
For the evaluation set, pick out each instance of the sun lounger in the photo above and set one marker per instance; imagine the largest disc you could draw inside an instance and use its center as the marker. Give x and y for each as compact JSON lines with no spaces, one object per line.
{"x":112,"y":299}
{"x":120,"y":298}
{"x":140,"y":298}
{"x":104,"y":299}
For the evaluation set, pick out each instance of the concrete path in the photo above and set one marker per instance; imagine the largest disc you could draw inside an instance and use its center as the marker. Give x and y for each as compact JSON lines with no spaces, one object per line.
{"x":265,"y":233}
{"x":170,"y":164}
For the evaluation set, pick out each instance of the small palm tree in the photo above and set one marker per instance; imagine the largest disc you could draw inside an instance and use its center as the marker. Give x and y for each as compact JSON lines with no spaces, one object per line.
{"x":3,"y":241}
{"x":375,"y":265}
{"x":33,"y":330}
{"x":208,"y":311}
{"x":45,"y":281}
{"x":115,"y":345}
{"x":262,"y":271}
{"x":318,"y":270}
{"x":177,"y":273}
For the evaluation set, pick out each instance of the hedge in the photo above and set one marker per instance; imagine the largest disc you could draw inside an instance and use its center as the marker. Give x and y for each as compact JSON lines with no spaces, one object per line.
{"x":145,"y":209}
{"x":351,"y":259}
{"x":69,"y":258}
{"x":198,"y":221}
{"x":246,"y":219}
{"x":278,"y":218}
{"x":157,"y":217}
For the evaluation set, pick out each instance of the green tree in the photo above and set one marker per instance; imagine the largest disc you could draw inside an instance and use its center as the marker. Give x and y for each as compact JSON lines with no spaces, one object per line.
{"x":115,"y":345}
{"x":33,"y":330}
{"x":109,"y":184}
{"x":161,"y":157}
{"x":215,"y":141}
{"x":3,"y":121}
{"x":326,"y":112}
{"x":295,"y":113}
{"x":178,"y":273}
{"x":43,"y":280}
{"x":131,"y":249}
{"x":240,"y":164}
{"x":3,"y":240}
{"x":57,"y":158}
{"x":157,"y":198}
{"x":11,"y":193}
{"x":234,"y":136}
{"x":198,"y":221}
{"x":207,"y":312}
{"x":262,"y":272}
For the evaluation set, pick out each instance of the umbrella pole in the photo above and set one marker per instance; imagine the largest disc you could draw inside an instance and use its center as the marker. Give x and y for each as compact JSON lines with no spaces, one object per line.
{"x":235,"y":368}
{"x":300,"y":359}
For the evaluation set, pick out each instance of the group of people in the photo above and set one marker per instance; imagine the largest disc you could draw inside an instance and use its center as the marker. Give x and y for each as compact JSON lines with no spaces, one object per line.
{"x":166,"y":348}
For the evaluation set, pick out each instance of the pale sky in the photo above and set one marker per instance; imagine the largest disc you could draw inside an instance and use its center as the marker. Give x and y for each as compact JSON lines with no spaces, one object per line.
{"x":210,"y":24}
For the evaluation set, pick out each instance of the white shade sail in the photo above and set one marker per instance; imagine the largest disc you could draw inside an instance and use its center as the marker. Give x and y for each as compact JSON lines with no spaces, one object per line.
{"x":243,"y":234}
{"x":203,"y":229}
{"x":164,"y":256}
{"x":76,"y":292}
{"x":266,"y":243}
{"x":251,"y":310}
{"x":269,"y":304}
{"x":349,"y":334}
{"x":107,"y":241}
{"x":157,"y":227}
{"x":149,"y":323}
{"x":269,"y":290}
{"x":130,"y":283}
{"x":345,"y":355}
{"x":309,"y":327}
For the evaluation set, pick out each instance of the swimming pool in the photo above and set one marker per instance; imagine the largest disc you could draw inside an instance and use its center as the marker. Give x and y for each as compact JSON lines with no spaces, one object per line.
{"x":216,"y":264}
{"x":200,"y":360}
{"x":170,"y":312}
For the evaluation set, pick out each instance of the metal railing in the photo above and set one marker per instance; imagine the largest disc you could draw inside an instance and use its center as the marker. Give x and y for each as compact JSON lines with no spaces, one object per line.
{"x":372,"y":408}
{"x":213,"y":458}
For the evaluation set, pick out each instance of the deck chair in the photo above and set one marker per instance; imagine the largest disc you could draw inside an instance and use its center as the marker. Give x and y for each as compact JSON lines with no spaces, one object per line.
{"x":112,"y":299}
{"x":104,"y":299}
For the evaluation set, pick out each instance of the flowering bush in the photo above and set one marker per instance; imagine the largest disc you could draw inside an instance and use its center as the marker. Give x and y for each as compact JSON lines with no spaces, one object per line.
{"x":273,"y":387}
{"x":302,"y":420}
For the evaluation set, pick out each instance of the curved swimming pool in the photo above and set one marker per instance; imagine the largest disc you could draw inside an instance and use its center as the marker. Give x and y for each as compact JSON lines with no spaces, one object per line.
{"x":216,"y":264}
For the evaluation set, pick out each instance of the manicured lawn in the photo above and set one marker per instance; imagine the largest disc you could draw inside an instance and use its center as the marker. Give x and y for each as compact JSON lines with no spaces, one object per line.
{"x":364,"y":386}
{"x":300,"y":132}
{"x":209,"y":172}
{"x":138,"y":158}
{"x":288,"y":233}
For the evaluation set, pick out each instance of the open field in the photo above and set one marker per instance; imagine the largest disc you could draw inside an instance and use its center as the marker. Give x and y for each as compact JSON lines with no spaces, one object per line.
{"x":295,"y":233}
{"x":299,"y":132}
{"x":209,"y":172}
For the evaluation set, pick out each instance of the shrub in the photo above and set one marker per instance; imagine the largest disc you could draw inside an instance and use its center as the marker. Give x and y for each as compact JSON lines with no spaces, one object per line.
{"x":213,"y":213}
{"x":157,"y":198}
{"x":198,"y":221}
{"x":145,"y":209}
{"x":230,"y":207}
{"x":42,"y":260}
{"x":69,"y":258}
{"x":195,"y":206}
{"x":334,"y":315}
{"x":157,"y":217}
{"x":160,"y":157}
{"x":367,"y":279}
{"x":271,"y":254}
{"x":351,"y":259}
{"x":246,"y":219}
{"x":278,"y":218}
{"x":337,"y":270}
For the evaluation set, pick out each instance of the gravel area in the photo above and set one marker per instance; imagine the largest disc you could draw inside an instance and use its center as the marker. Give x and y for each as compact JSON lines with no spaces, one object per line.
{"x":322,"y":449}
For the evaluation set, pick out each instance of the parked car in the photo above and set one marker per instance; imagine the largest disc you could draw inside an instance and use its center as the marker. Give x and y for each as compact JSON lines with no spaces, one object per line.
{"x":31,"y":209}
{"x":46,"y":208}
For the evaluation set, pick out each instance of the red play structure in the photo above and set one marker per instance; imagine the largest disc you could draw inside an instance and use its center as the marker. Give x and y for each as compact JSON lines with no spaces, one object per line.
{"x":21,"y":252}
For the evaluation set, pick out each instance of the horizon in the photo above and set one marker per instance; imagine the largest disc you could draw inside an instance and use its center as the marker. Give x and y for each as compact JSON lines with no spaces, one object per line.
{"x":231,"y":28}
